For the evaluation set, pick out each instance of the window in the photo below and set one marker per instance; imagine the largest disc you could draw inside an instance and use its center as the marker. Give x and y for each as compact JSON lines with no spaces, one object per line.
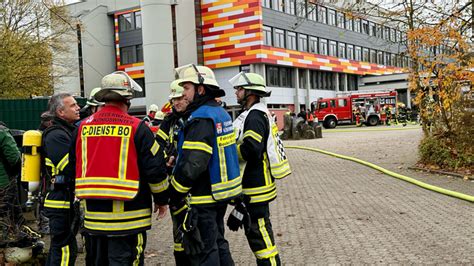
{"x":342,"y":50}
{"x":267,"y":35}
{"x":386,"y":35}
{"x":357,"y":25}
{"x":138,"y":20}
{"x":286,"y":77}
{"x":323,"y":105}
{"x":291,"y":40}
{"x":322,"y":14}
{"x":358,"y":53}
{"x":130,"y":21}
{"x":332,"y":17}
{"x":332,"y":103}
{"x":277,"y":5}
{"x":392,"y":35}
{"x":387,"y":59}
{"x":340,"y":20}
{"x":312,"y":12}
{"x":372,"y":29}
{"x":279,"y":40}
{"x":365,"y":55}
{"x":302,"y":78}
{"x":139,"y":53}
{"x":380,"y":57}
{"x":126,"y":55}
{"x":332,"y":48}
{"x":349,"y":24}
{"x":350,"y":52}
{"x":351,"y":82}
{"x":392,"y":60}
{"x":313,"y":45}
{"x":279,"y":76}
{"x":365,"y":27}
{"x":290,"y":7}
{"x":131,"y":54}
{"x":266,"y":3}
{"x":323,"y":46}
{"x":373,"y":56}
{"x":341,"y":102}
{"x":399,"y":36}
{"x":379,"y":31}
{"x":303,"y":42}
{"x":126,"y":22}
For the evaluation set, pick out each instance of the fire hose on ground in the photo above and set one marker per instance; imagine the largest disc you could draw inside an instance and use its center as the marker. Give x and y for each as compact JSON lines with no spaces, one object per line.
{"x":390,"y":173}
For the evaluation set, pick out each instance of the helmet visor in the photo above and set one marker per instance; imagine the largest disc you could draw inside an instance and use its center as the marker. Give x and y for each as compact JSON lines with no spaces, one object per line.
{"x":133,"y":84}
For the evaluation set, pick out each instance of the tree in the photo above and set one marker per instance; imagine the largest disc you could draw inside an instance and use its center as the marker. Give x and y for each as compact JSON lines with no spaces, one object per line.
{"x":31,"y":32}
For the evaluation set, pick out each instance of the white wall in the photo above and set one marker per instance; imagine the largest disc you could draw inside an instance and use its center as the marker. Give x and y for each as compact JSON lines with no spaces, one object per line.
{"x":186,"y":32}
{"x":223,"y":75}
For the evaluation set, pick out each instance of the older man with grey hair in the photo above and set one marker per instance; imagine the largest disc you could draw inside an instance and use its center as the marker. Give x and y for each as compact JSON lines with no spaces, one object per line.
{"x":58,"y":205}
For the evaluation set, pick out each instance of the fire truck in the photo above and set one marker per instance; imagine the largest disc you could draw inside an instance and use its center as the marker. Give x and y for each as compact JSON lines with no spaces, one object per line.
{"x":341,"y":110}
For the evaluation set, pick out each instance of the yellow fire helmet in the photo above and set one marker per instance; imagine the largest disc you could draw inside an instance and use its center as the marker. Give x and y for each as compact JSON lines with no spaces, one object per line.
{"x":176,"y":89}
{"x":250,"y":81}
{"x":116,"y":87}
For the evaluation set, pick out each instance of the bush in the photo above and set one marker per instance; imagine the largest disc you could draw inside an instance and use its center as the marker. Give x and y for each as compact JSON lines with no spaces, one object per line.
{"x":446,"y":153}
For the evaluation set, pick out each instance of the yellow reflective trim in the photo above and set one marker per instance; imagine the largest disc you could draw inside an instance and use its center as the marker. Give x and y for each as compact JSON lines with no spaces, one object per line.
{"x":264,"y":197}
{"x":197,"y":145}
{"x":259,"y":190}
{"x":160,"y":187}
{"x":202,"y":199}
{"x":266,"y":171}
{"x":162,"y":135}
{"x":65,"y":254}
{"x":178,"y":247}
{"x":139,"y":249}
{"x":228,"y":193}
{"x":84,"y":155}
{"x":49,"y":163}
{"x":266,"y":253}
{"x":227,"y":184}
{"x":121,"y":215}
{"x":180,"y":188}
{"x":62,"y":164}
{"x":180,"y":210}
{"x":239,"y":153}
{"x":57,"y":204}
{"x":154,"y":149}
{"x":108,"y":192}
{"x":118,"y":206}
{"x":252,"y":134}
{"x":222,"y":164}
{"x":123,"y":159}
{"x":107,"y":181}
{"x":118,"y":226}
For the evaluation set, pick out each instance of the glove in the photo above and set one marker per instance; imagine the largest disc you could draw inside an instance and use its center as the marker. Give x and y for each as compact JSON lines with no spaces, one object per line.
{"x":239,"y":217}
{"x":178,"y":211}
{"x":192,"y":242}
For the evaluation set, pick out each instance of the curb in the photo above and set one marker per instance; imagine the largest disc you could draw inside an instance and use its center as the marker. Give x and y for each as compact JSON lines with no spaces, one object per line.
{"x":441,"y":172}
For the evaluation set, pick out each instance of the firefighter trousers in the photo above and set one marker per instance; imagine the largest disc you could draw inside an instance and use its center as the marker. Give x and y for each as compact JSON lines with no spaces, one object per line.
{"x":260,"y":235}
{"x":63,"y":249}
{"x":179,"y":255}
{"x":211,"y":226}
{"x":117,"y":250}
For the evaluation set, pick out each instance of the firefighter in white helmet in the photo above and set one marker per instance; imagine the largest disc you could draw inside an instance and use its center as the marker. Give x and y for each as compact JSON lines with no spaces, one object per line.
{"x":206,"y":176}
{"x":150,"y":117}
{"x":120,"y":172}
{"x":262,"y":160}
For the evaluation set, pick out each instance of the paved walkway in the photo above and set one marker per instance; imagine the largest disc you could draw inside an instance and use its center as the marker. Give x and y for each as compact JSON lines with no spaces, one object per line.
{"x":332,"y":211}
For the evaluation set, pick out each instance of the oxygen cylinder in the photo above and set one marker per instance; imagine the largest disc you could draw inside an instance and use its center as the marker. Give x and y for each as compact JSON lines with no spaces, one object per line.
{"x":31,"y":159}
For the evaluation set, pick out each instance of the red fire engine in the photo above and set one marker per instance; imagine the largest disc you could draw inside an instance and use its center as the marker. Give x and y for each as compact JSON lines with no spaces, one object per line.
{"x":340,"y":110}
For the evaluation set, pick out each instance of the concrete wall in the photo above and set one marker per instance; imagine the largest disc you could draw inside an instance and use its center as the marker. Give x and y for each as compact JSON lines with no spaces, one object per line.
{"x":186,"y":32}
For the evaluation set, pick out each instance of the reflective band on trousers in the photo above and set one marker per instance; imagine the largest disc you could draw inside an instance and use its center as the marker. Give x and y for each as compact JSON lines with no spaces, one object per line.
{"x":65,"y":254}
{"x":139,"y":249}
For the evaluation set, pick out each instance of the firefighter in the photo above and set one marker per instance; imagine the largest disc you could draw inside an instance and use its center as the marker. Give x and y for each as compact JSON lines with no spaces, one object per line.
{"x":119,"y":169}
{"x":167,"y":137}
{"x":150,"y":117}
{"x":91,"y":106}
{"x":263,"y":159}
{"x":388,"y":114}
{"x":402,"y":114}
{"x":356,"y":112}
{"x":59,"y":200}
{"x":206,"y":176}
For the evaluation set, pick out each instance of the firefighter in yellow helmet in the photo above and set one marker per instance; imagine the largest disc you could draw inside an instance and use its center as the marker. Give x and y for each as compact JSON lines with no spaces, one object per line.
{"x":206,"y":176}
{"x":120,"y":172}
{"x":262,"y":160}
